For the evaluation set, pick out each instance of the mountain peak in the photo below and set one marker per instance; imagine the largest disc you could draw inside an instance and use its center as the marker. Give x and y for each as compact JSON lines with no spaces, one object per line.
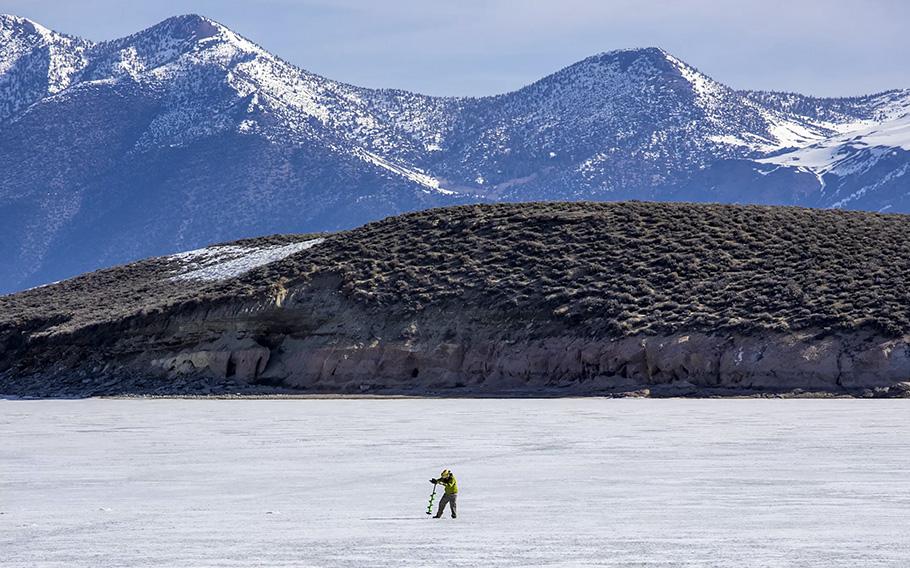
{"x":11,"y":21}
{"x":159,"y":45}
{"x":643,"y":64}
{"x":184,"y":28}
{"x":191,"y":18}
{"x":647,"y":51}
{"x":639,"y":58}
{"x":11,"y":25}
{"x":629,"y":55}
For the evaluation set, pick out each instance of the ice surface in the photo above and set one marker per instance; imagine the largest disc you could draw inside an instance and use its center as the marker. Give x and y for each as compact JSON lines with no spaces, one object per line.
{"x":569,"y":482}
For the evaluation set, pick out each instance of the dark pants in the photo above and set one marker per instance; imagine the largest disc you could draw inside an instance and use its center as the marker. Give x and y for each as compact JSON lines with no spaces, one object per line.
{"x":447,"y":499}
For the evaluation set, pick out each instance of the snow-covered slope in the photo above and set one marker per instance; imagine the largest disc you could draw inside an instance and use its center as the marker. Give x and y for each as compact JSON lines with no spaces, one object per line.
{"x":865,"y":168}
{"x":187,"y":133}
{"x":852,"y":152}
{"x":34,"y":63}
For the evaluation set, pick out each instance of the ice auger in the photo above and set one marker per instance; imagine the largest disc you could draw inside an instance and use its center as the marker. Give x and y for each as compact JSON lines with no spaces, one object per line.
{"x":432,"y":497}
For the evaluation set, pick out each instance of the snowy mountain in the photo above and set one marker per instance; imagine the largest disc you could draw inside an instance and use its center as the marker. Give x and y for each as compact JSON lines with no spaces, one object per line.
{"x":187,"y":133}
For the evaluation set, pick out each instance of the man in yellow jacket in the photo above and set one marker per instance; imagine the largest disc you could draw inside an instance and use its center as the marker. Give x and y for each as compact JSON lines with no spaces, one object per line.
{"x":447,"y":480}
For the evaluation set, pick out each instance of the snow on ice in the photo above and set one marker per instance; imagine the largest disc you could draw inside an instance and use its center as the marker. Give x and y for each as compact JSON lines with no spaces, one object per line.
{"x":565,"y":482}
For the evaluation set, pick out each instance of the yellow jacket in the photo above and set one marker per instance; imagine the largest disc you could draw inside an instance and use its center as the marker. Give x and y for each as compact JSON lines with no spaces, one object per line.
{"x":449,"y":483}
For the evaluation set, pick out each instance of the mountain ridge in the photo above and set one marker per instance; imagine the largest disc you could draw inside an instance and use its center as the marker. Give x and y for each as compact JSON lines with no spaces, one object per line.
{"x":187,"y":133}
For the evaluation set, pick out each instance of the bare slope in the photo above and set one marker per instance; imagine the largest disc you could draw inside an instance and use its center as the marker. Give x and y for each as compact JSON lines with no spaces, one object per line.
{"x":493,"y":298}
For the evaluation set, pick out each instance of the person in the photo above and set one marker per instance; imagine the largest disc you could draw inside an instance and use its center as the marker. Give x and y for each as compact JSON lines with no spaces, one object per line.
{"x":447,"y":480}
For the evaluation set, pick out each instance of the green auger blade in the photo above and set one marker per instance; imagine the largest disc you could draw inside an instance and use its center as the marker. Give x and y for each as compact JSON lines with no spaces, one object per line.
{"x":432,"y":497}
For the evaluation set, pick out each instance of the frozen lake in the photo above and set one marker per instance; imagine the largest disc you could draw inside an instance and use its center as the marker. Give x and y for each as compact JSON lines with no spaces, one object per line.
{"x":572,"y":482}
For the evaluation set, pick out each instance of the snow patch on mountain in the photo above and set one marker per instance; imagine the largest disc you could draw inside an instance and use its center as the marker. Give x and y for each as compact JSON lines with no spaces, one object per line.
{"x":230,"y":261}
{"x":790,"y":133}
{"x":414,"y":175}
{"x":849,"y":153}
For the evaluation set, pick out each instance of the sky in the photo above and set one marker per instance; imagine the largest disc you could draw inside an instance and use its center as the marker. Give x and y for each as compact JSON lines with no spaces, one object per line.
{"x":477,"y":47}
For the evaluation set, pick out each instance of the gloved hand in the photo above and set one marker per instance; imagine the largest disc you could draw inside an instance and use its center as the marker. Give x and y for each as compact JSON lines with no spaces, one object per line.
{"x":433,"y":481}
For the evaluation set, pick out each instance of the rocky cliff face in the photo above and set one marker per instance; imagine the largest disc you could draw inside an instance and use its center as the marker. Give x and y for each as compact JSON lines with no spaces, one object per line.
{"x":664,"y":299}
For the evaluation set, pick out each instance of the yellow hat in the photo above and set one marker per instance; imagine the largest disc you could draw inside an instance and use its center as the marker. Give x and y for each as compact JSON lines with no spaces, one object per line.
{"x":445,"y":473}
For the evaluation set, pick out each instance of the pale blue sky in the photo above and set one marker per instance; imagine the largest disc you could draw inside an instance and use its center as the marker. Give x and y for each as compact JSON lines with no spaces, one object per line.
{"x":475,"y":47}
